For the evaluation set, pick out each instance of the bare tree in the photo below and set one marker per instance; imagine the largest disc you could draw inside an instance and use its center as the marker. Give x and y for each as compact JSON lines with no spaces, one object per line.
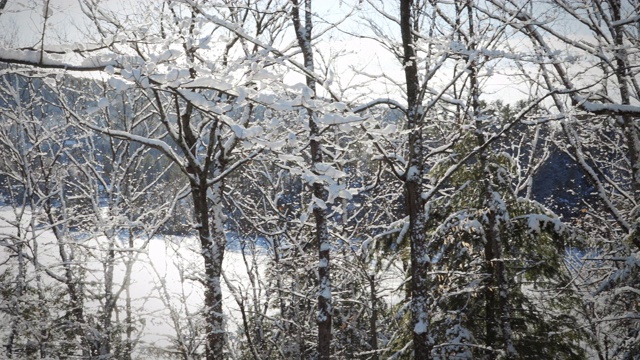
{"x":303,"y":29}
{"x":441,"y":184}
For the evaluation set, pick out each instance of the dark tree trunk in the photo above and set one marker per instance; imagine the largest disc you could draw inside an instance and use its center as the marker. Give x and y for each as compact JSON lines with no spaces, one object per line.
{"x":324,"y":318}
{"x":373,"y":322}
{"x":109,"y":300}
{"x":630,"y":130}
{"x":489,"y":301}
{"x":420,"y":261}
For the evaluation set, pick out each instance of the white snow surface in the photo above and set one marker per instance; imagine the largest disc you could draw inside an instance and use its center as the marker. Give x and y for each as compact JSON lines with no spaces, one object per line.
{"x":160,"y":262}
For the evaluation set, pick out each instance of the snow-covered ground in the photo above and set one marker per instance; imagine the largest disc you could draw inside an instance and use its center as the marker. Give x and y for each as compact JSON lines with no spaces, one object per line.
{"x":164,"y":288}
{"x":163,"y":278}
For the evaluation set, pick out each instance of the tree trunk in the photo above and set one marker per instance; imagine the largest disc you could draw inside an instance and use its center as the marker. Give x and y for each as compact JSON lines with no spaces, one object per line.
{"x":109,"y":300}
{"x":212,"y":239}
{"x":420,"y":260}
{"x":373,"y":322}
{"x":20,"y":289}
{"x":128,"y":346}
{"x":489,"y":300}
{"x":324,"y":317}
{"x":630,"y":130}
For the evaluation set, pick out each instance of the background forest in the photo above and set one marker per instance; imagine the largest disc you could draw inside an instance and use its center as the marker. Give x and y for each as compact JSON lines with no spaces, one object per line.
{"x":286,"y":179}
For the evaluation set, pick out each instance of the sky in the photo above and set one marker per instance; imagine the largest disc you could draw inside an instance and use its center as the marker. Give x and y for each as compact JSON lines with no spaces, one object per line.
{"x":24,"y":21}
{"x":21,"y":26}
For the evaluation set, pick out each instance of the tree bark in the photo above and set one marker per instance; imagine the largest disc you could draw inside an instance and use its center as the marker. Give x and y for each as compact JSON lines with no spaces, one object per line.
{"x":324,"y":316}
{"x":212,"y":239}
{"x":373,"y":322}
{"x":420,"y":260}
{"x":630,"y":130}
